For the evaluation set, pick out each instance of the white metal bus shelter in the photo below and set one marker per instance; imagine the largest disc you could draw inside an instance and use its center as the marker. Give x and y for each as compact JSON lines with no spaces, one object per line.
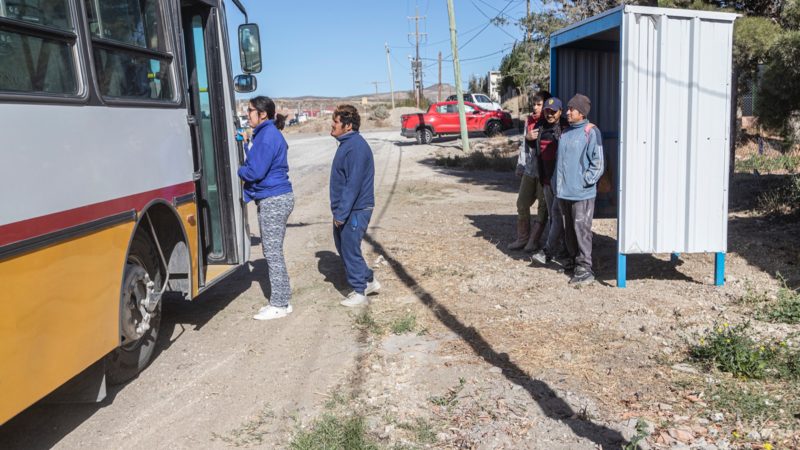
{"x":660,"y":84}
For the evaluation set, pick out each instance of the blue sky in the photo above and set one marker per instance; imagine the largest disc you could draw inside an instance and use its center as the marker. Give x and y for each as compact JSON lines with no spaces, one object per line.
{"x":316,"y":47}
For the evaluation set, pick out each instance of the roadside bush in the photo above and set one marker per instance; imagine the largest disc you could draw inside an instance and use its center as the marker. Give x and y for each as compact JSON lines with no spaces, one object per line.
{"x":769,"y":164}
{"x":787,"y":307}
{"x":730,"y":349}
{"x":380,"y":112}
{"x":334,"y":432}
{"x":783,"y":199}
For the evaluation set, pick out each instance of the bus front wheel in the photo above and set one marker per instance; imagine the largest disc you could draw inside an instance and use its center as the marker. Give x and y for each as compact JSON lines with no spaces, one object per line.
{"x":140,"y":312}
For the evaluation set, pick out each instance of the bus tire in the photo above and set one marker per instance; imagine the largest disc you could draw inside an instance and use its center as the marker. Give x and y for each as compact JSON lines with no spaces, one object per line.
{"x":136,"y":348}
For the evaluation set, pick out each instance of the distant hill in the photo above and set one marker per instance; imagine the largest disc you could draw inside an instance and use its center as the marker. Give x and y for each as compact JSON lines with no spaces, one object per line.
{"x":431,"y":93}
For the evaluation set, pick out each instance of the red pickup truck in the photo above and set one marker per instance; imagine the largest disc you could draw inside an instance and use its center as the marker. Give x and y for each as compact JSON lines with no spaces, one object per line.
{"x":442,"y":118}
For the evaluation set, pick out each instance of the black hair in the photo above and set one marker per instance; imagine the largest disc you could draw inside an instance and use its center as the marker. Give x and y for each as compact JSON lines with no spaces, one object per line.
{"x":348,"y":114}
{"x":265,"y":105}
{"x":540,"y":96}
{"x":280,"y":121}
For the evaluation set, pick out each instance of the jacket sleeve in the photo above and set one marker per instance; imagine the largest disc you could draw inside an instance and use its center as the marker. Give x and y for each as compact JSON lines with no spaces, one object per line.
{"x":594,"y":156}
{"x":258,"y":163}
{"x":356,"y":167}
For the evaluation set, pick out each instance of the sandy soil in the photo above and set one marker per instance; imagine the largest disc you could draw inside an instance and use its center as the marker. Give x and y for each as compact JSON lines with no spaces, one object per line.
{"x":500,"y":354}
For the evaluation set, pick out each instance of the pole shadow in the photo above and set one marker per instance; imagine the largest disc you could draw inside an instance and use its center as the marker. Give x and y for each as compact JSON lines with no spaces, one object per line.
{"x":548,"y":400}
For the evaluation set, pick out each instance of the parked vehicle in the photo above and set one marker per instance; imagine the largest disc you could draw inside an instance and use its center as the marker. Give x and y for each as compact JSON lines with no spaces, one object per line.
{"x":442,"y":119}
{"x":481,"y":100}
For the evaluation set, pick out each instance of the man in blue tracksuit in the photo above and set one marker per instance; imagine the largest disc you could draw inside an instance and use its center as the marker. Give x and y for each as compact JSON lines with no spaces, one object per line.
{"x":352,"y":200}
{"x":579,"y":165}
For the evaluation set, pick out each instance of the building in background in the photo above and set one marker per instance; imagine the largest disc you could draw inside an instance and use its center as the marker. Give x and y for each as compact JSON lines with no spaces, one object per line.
{"x":493,"y":81}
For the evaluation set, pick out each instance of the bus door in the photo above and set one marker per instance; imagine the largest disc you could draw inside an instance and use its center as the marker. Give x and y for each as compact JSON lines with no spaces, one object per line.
{"x":204,"y":66}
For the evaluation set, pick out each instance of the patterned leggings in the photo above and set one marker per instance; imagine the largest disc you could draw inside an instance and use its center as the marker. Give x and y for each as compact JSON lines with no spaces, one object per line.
{"x":273,"y":213}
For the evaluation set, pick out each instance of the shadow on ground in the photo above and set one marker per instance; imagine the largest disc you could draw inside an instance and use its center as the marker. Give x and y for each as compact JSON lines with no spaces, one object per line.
{"x":330,"y":265}
{"x":499,"y":230}
{"x":769,"y":242}
{"x":548,"y":400}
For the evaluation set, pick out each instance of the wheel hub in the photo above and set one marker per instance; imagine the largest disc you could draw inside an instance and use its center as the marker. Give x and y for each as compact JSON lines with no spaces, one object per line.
{"x":140,"y":304}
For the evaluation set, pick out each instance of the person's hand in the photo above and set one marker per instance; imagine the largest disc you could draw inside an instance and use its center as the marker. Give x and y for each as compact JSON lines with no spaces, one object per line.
{"x":337,"y":223}
{"x":533,"y":134}
{"x":519,"y":171}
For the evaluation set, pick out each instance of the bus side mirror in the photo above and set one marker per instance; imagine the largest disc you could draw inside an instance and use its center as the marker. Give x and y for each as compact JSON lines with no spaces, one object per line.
{"x":244,"y":83}
{"x":250,"y":48}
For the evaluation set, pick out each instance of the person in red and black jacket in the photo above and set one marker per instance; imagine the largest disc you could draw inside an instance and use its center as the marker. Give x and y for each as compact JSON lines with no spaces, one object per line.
{"x":530,"y":188}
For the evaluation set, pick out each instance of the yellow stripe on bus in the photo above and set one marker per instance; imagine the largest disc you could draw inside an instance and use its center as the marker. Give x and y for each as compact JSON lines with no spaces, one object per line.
{"x":59,"y":313}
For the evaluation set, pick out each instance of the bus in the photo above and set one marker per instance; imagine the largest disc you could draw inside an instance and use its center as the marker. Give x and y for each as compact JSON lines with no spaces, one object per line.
{"x":118,"y":183}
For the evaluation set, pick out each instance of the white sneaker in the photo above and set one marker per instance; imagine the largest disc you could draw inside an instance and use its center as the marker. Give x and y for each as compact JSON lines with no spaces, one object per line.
{"x":373,"y":287}
{"x":355,"y":299}
{"x":270,"y":312}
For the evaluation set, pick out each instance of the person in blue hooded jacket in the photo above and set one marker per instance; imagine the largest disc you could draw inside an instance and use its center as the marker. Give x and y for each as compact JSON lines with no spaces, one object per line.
{"x":579,"y":166}
{"x":265,"y":173}
{"x":352,"y":195}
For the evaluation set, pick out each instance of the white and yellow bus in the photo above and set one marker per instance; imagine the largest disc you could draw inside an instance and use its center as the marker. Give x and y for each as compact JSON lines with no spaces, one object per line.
{"x":118,"y":180}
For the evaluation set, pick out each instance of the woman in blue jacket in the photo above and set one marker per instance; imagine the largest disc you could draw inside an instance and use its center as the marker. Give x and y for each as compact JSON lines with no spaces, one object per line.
{"x":266,"y":180}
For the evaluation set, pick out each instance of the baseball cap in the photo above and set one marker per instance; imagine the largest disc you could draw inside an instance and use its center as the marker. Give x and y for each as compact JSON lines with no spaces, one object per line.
{"x":553,"y":103}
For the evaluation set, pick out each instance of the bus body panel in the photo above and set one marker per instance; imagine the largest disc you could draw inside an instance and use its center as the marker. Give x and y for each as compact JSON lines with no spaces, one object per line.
{"x":126,"y":151}
{"x":59,"y":313}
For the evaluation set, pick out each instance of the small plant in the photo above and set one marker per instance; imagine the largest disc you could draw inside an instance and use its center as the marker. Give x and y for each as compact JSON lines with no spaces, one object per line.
{"x":729,"y":349}
{"x":405,"y":324}
{"x":641,"y":433}
{"x":449,"y":399}
{"x":422,"y":430}
{"x":752,"y":296}
{"x":783,"y":199}
{"x":767,"y":163}
{"x":749,"y":402}
{"x":365,"y":321}
{"x":331,"y":432}
{"x":786,"y":309}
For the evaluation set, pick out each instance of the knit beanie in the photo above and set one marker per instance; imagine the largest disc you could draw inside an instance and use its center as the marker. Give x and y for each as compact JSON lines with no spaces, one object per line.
{"x":580,"y":103}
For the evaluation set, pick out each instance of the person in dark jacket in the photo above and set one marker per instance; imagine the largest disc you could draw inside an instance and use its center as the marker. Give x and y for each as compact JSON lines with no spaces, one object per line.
{"x":265,"y":173}
{"x":549,"y":136}
{"x":352,"y":196}
{"x":579,"y":166}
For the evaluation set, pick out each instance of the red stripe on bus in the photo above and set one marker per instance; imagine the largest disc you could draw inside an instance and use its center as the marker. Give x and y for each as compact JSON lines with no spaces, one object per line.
{"x":39,"y":226}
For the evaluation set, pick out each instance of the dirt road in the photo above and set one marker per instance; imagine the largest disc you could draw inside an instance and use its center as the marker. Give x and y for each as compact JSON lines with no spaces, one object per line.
{"x":467,"y":346}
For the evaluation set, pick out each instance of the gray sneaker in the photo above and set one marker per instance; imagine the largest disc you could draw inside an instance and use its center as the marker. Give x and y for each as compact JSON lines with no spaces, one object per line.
{"x":540,"y":257}
{"x":582,"y":277}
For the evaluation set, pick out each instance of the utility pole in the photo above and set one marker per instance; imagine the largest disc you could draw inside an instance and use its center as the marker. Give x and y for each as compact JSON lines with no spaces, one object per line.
{"x":417,"y":63}
{"x":389,"y":68}
{"x":439,"y":96}
{"x":462,"y":117}
{"x":376,"y":83}
{"x":527,"y":19}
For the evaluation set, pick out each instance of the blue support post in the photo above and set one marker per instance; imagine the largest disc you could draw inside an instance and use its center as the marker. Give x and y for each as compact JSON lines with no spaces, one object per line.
{"x":719,"y":269}
{"x":674,"y":258}
{"x":621,"y":270}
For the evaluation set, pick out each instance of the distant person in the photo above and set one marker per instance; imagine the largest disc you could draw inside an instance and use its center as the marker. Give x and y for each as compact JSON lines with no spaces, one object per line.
{"x":265,"y":173}
{"x":530,"y":189}
{"x":352,"y":199}
{"x":578,"y":169}
{"x":549,"y":135}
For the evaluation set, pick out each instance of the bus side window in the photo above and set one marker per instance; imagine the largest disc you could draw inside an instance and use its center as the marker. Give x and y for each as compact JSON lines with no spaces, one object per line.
{"x":37,"y":62}
{"x":123,"y":72}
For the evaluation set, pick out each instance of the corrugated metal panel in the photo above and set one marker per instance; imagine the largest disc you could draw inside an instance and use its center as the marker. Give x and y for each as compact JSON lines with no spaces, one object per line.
{"x":674,"y":131}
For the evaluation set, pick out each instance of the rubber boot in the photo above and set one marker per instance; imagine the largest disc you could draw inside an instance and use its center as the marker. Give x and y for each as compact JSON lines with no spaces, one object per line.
{"x":537,"y":229}
{"x":523,"y":232}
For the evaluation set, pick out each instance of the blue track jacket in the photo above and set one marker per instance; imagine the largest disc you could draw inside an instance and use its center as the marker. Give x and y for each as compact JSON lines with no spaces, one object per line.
{"x":352,"y":176}
{"x":579,"y":163}
{"x":266,"y":171}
